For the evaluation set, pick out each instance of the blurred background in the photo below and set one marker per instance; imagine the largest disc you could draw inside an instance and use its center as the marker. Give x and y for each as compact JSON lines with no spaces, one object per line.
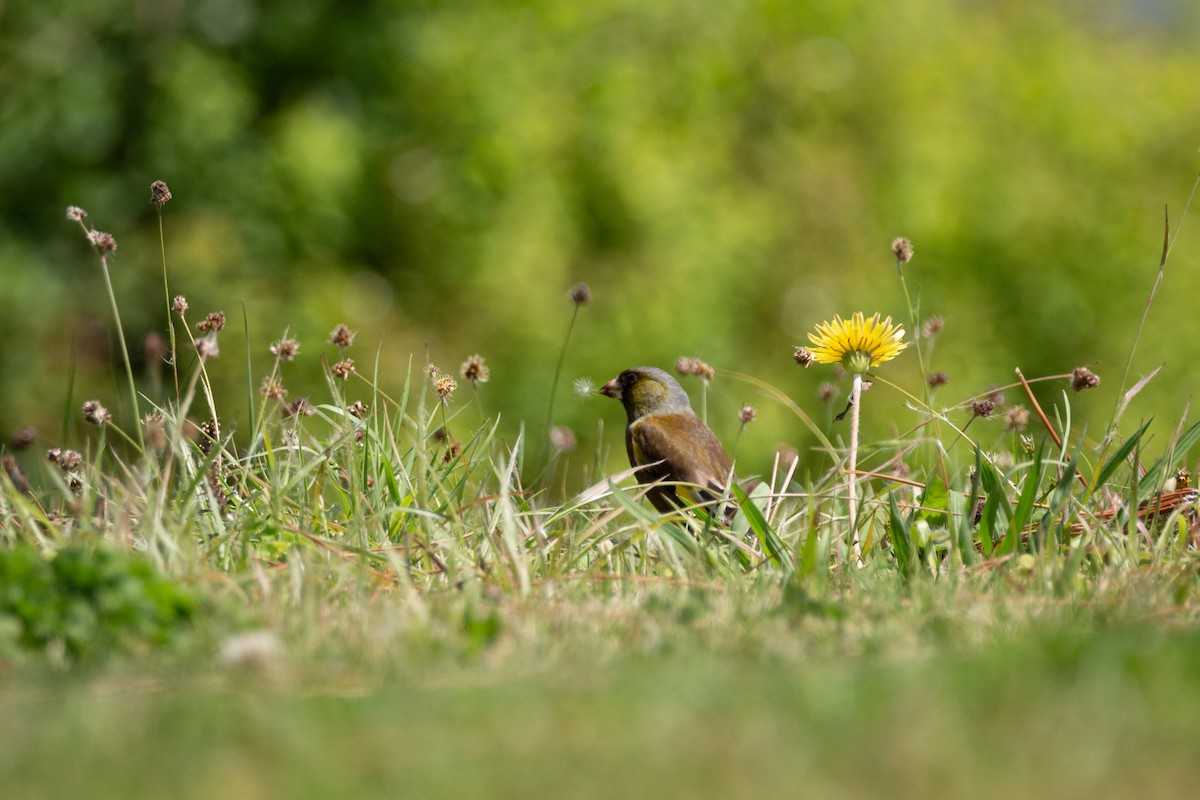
{"x":437,"y":175}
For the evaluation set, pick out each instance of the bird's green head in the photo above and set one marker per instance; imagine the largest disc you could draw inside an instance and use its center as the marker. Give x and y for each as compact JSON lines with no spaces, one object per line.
{"x":646,"y":390}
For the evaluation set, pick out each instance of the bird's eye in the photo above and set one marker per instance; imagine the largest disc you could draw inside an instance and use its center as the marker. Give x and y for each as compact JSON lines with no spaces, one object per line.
{"x":629,"y":378}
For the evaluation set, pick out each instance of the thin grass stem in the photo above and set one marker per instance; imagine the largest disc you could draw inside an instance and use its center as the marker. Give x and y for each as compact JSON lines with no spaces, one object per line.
{"x":133,"y":395}
{"x":162,"y":248}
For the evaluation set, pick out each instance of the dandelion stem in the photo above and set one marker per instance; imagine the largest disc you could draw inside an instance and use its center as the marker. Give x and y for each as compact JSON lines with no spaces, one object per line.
{"x":851,"y":467}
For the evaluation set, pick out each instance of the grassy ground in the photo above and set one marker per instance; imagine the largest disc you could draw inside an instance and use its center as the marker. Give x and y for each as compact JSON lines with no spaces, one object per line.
{"x":377,"y":594}
{"x":646,"y":690}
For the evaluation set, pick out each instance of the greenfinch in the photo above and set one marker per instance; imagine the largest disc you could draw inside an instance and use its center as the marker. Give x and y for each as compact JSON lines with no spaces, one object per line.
{"x":679,"y":454}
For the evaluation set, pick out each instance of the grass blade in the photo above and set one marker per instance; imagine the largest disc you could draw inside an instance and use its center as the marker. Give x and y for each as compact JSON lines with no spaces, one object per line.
{"x":899,"y":535}
{"x":1118,"y":457}
{"x":767,"y":537}
{"x":1023,"y":513}
{"x":1154,"y":477}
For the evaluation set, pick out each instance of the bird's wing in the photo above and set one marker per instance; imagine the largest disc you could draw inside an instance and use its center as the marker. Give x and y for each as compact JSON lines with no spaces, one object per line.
{"x":690,"y":452}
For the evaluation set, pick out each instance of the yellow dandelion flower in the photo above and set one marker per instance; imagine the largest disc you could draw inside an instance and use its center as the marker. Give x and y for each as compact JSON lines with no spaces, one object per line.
{"x":857,"y":343}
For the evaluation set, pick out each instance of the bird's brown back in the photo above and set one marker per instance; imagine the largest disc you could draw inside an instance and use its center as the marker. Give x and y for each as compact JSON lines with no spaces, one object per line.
{"x":689,"y":451}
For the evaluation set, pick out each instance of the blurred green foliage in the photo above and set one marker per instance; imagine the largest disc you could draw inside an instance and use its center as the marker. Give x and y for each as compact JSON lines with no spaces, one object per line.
{"x":86,"y":602}
{"x":724,"y":175}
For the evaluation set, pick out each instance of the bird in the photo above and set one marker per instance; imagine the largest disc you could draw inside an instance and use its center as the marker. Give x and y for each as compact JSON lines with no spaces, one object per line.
{"x":680,"y":455}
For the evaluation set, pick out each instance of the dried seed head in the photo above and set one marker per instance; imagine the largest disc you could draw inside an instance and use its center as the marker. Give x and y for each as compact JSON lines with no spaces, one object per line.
{"x":995,"y":396}
{"x":938,"y":379}
{"x":22,"y":438}
{"x":179,"y":304}
{"x":272,"y":388}
{"x":96,"y":414}
{"x":213,"y":480}
{"x":804,"y":357}
{"x":1016,"y":418}
{"x":902,"y":249}
{"x":452,"y":452}
{"x":210,"y":432}
{"x":585,"y":388}
{"x":581,"y":294}
{"x":444,"y":385}
{"x":285,"y":349}
{"x":932,"y":327}
{"x":432,"y":369}
{"x":19,"y":481}
{"x":562,"y":439}
{"x":154,"y":347}
{"x":207,"y":347}
{"x":154,"y":430}
{"x":342,"y":336}
{"x":67,"y":460}
{"x":786,"y":455}
{"x":213,"y":323}
{"x":695,"y":366}
{"x":344,"y":368}
{"x":747,"y":414}
{"x":983,"y":408}
{"x":300,"y":407}
{"x":358,"y":409}
{"x":475,"y":370}
{"x":826,"y":392}
{"x":75,"y":213}
{"x":104,"y":242}
{"x":159,"y":193}
{"x":1083,"y":378}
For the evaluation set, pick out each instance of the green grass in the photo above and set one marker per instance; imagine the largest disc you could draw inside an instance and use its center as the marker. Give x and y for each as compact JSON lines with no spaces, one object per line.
{"x":646,"y":691}
{"x":389,"y":596}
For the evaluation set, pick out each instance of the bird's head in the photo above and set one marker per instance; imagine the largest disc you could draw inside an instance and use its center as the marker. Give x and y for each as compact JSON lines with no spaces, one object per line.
{"x":646,"y":390}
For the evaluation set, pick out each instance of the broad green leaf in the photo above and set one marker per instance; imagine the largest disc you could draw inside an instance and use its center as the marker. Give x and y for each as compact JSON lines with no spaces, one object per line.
{"x":935,"y":502}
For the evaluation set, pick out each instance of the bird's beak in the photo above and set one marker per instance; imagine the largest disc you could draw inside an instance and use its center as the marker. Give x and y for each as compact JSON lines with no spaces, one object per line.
{"x":611,"y":389}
